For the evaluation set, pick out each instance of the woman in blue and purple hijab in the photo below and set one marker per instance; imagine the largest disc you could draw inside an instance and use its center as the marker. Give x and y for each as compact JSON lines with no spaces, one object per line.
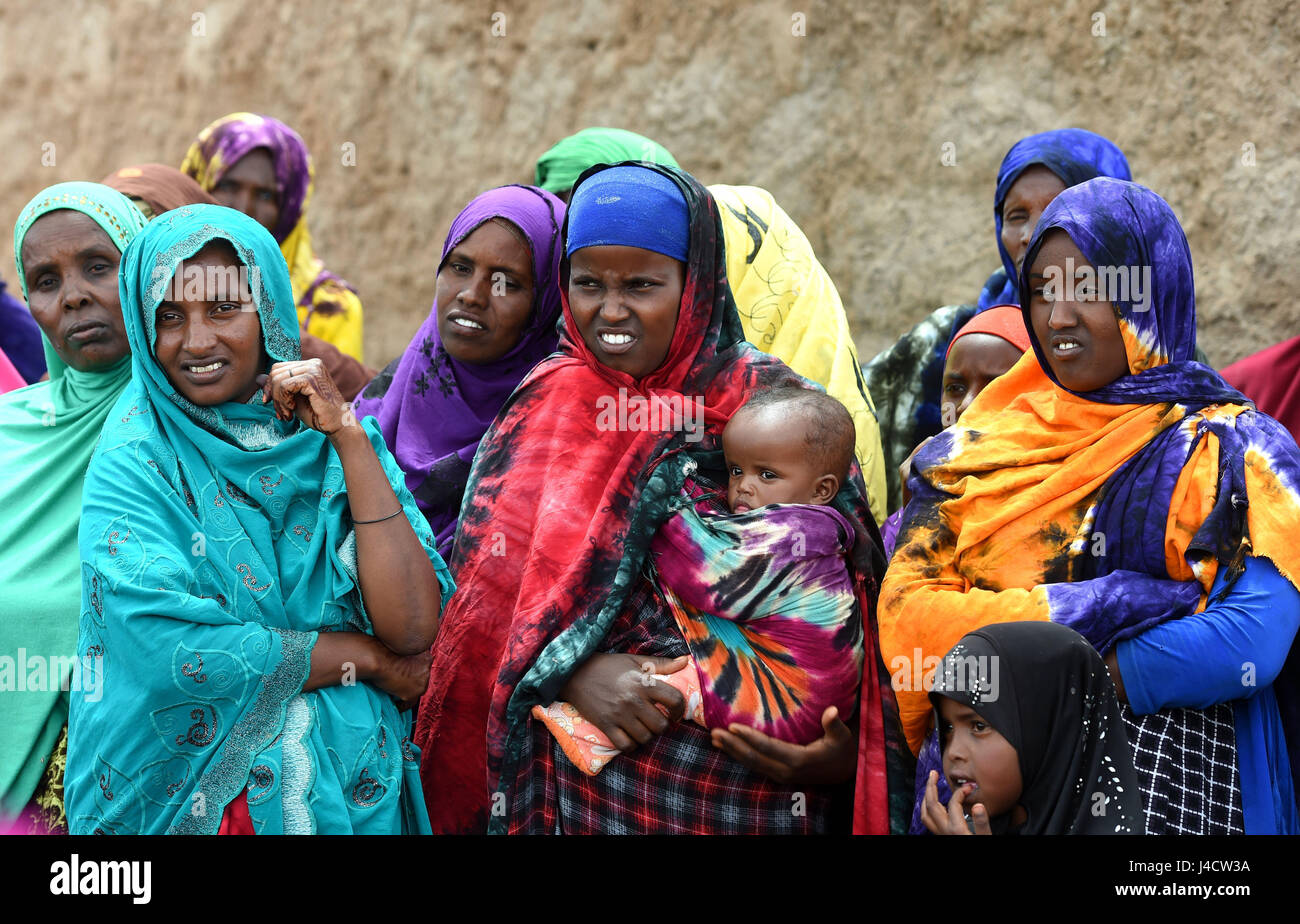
{"x":1033,"y":173}
{"x":906,"y":380}
{"x":1111,"y":483}
{"x":494,"y":318}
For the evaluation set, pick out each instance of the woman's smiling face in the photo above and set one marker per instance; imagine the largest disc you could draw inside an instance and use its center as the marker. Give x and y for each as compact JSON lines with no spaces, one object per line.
{"x":210,"y":346}
{"x":625,"y":302}
{"x":70,"y":266}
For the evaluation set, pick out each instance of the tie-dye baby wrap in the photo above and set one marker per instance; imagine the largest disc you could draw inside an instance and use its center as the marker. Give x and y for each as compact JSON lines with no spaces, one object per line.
{"x":766,"y":603}
{"x":1109,"y":511}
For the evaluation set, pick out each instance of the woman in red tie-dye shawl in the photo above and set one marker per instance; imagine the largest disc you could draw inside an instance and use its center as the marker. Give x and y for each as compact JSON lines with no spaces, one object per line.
{"x":558,"y":515}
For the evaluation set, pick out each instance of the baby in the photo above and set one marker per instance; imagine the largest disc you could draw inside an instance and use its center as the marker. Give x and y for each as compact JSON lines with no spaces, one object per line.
{"x":760,"y":589}
{"x":787,"y":446}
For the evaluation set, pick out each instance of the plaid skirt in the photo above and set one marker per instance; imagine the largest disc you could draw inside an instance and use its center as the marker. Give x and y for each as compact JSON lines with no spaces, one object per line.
{"x":1186,"y":761}
{"x":677,"y":784}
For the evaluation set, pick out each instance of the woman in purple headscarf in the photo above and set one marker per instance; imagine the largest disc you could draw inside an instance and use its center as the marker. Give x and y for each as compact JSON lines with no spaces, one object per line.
{"x":493,"y":319}
{"x":1111,"y":483}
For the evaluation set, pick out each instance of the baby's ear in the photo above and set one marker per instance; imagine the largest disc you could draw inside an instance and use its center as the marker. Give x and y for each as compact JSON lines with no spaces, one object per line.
{"x":826,"y":488}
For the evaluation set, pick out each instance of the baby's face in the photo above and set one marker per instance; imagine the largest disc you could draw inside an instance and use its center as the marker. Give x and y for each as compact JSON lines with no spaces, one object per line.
{"x":768,"y":464}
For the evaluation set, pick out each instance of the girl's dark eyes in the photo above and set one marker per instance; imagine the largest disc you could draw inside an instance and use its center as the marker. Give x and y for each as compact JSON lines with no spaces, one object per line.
{"x":955,"y":388}
{"x":734,"y":471}
{"x":979,"y":726}
{"x":767,"y":475}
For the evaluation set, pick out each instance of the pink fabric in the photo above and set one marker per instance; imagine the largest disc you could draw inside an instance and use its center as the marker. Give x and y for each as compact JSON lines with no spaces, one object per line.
{"x":9,"y":377}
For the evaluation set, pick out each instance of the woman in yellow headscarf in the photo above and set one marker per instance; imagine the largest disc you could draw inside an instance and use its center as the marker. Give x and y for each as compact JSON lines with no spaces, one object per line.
{"x":788,"y":305}
{"x":789,"y":308}
{"x":261,"y":167}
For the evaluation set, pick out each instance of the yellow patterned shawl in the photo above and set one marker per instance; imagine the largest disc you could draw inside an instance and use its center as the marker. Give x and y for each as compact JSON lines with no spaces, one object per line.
{"x":790,"y":309}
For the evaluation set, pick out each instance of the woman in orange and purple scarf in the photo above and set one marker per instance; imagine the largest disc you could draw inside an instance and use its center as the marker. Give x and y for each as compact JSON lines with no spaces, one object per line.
{"x":1110,"y":483}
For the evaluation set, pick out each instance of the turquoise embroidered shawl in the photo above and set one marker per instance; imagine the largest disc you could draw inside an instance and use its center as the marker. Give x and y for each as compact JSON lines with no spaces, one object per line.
{"x":216,"y":544}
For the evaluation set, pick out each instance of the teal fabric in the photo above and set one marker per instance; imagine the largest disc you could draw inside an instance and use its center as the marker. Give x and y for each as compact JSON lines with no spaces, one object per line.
{"x":47,"y":433}
{"x":217,"y":544}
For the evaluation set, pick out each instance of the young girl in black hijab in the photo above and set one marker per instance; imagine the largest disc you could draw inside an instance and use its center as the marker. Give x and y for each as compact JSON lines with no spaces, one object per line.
{"x":1032,"y":738}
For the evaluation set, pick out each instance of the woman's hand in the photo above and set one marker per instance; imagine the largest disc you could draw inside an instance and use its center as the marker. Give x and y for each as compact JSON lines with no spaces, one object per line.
{"x":404,"y":677}
{"x":951,"y":820}
{"x":304,"y":388}
{"x":614,"y":693}
{"x":830,"y":759}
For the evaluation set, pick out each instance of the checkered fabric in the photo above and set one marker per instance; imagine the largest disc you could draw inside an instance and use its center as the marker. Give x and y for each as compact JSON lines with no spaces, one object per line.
{"x":678,"y":784}
{"x":1186,"y":761}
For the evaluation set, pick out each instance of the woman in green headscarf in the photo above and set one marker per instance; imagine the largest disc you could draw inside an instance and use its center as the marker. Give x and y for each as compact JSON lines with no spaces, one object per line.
{"x":559,"y":168}
{"x":67,"y":244}
{"x":259,"y":588}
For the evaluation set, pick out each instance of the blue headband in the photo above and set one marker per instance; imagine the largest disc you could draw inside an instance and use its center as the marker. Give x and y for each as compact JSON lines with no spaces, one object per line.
{"x":632,"y":207}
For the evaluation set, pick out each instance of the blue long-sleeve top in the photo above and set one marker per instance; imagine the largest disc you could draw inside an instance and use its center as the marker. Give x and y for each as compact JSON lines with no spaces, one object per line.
{"x":1230,"y":652}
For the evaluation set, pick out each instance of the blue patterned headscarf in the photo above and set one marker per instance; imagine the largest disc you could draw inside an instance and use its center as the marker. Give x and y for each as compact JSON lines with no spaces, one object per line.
{"x":1073,"y":154}
{"x":216,"y":544}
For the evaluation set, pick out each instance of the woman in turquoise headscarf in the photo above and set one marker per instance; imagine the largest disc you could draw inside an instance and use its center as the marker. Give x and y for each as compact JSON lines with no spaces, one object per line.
{"x":259,"y":589}
{"x":67,"y":245}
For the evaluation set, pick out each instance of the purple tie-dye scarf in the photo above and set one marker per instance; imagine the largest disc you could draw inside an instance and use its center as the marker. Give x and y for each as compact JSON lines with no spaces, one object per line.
{"x":767,"y":605}
{"x":1116,"y":223}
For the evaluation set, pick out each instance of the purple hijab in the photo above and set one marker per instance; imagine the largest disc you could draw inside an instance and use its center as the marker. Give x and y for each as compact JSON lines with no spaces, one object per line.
{"x":434,"y":409}
{"x":227,"y":140}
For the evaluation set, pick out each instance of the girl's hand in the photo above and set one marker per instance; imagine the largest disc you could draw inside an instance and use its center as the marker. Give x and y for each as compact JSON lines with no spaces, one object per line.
{"x":951,"y":820}
{"x":830,"y":759}
{"x":404,"y":677}
{"x":611,"y":691}
{"x":304,"y":388}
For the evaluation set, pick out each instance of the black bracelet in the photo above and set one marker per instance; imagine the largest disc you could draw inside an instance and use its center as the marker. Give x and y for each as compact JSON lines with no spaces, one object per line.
{"x":380,"y":520}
